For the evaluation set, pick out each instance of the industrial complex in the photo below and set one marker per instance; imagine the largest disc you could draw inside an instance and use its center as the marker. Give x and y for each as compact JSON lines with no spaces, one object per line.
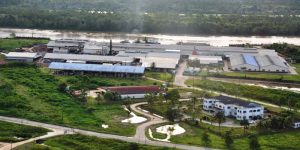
{"x":84,"y":56}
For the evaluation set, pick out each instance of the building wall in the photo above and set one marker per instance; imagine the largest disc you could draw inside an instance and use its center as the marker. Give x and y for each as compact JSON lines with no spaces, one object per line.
{"x":248,"y":67}
{"x":133,"y":96}
{"x":274,"y":68}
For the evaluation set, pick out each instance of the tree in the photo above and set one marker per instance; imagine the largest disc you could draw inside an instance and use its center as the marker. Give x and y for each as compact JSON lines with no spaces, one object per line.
{"x":173,"y":96}
{"x":228,"y":139}
{"x":112,"y":96}
{"x":219,"y":117}
{"x":150,"y":98}
{"x":99,"y":99}
{"x":253,"y":142}
{"x":245,"y":123}
{"x":62,"y":87}
{"x":173,"y":114}
{"x":205,"y":139}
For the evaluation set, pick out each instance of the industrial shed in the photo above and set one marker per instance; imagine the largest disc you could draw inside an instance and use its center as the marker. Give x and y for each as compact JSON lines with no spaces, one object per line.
{"x":22,"y":57}
{"x":271,"y":64}
{"x":264,"y":63}
{"x":163,"y":61}
{"x":243,"y":62}
{"x":93,"y":59}
{"x":94,"y":69}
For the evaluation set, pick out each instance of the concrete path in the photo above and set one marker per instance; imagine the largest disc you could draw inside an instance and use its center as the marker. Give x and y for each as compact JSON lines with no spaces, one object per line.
{"x":61,"y":129}
{"x":179,"y":78}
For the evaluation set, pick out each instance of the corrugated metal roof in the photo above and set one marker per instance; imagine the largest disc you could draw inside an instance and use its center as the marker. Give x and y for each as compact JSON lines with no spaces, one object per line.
{"x":96,"y":58}
{"x":249,"y":59}
{"x":21,"y":55}
{"x":97,"y":68}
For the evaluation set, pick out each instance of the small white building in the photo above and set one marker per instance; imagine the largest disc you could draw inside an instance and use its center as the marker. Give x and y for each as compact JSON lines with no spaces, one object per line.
{"x":22,"y":56}
{"x":133,"y":91}
{"x":234,"y":107}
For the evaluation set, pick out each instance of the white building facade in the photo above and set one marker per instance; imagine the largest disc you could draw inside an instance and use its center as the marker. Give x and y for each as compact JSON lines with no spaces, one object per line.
{"x":233,"y":107}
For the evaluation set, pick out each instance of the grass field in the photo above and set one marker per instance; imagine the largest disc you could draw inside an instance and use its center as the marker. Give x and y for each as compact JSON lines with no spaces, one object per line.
{"x":7,"y":45}
{"x":29,"y":92}
{"x":80,"y":142}
{"x":276,"y":141}
{"x":267,"y":76}
{"x":160,"y":76}
{"x":9,"y":132}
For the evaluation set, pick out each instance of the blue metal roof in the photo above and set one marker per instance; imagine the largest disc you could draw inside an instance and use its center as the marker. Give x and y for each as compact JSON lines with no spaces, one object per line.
{"x":249,"y":59}
{"x":97,"y":68}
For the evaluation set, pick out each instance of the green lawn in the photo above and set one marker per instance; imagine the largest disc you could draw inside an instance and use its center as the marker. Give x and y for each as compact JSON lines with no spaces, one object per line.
{"x":268,"y":76}
{"x":7,"y":45}
{"x":277,"y":141}
{"x":81,"y":142}
{"x":274,"y":96}
{"x":160,"y":76}
{"x":10,"y":132}
{"x":29,"y":92}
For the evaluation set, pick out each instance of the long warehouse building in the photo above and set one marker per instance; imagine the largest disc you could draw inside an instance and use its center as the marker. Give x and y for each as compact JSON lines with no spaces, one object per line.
{"x":95,"y":69}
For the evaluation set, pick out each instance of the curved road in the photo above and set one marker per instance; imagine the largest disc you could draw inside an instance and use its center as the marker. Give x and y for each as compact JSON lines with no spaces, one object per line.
{"x":138,"y":138}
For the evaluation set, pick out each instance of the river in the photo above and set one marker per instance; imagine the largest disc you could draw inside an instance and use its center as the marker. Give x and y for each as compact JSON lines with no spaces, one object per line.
{"x":162,"y":38}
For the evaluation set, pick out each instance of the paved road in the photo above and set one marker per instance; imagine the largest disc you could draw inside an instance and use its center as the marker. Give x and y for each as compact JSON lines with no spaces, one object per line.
{"x":100,"y":135}
{"x":179,"y":78}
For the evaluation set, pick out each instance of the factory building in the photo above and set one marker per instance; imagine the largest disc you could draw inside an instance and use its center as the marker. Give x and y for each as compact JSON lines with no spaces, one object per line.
{"x":263,"y":63}
{"x":95,"y":69}
{"x":22,"y":57}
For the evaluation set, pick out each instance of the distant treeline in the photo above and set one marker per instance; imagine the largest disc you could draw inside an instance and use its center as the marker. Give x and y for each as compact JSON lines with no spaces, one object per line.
{"x":151,"y":23}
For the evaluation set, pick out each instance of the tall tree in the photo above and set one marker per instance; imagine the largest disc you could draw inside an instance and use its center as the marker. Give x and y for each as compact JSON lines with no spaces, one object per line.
{"x":220,"y":117}
{"x":253,"y":142}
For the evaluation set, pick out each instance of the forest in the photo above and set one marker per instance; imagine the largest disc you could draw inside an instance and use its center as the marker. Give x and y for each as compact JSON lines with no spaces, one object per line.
{"x":205,"y":17}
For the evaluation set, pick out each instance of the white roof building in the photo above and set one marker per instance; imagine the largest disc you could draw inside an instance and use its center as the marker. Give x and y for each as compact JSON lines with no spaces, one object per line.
{"x":265,"y":63}
{"x":206,"y":59}
{"x":22,"y":57}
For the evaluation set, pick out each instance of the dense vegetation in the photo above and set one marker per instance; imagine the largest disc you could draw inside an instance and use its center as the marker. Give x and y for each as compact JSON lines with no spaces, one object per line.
{"x":10,"y":44}
{"x":290,"y":51}
{"x":214,"y":17}
{"x":28,"y":92}
{"x":80,"y":142}
{"x":278,"y":97}
{"x":10,"y":132}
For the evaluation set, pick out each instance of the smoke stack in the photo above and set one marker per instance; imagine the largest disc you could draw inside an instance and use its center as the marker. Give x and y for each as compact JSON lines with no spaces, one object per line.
{"x":110,"y":47}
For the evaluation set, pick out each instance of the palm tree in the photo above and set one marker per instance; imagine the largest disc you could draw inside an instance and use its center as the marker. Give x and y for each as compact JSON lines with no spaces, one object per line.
{"x":219,"y":117}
